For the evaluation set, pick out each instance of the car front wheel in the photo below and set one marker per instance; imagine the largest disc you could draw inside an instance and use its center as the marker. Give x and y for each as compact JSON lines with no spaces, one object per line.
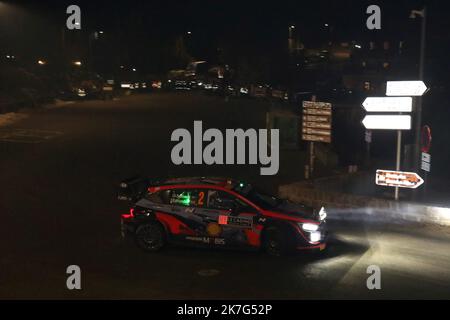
{"x":150,"y":237}
{"x":275,"y":242}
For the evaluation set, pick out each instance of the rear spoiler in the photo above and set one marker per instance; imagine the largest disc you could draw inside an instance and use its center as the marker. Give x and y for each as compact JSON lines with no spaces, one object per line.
{"x":133,"y":188}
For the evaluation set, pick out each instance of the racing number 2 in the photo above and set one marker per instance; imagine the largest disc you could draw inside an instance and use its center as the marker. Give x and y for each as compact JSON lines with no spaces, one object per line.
{"x":201,"y":197}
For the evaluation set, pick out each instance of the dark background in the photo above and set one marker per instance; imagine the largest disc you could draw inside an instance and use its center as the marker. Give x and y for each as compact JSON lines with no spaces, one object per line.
{"x":152,"y":36}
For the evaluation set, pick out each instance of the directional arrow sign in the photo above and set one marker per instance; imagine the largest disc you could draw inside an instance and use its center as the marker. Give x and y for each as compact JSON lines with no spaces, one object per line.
{"x":394,"y":122}
{"x":316,"y":131}
{"x":312,"y":137}
{"x":317,"y":125}
{"x":317,"y":118}
{"x":400,"y":179}
{"x":388,"y":104}
{"x":405,"y":88}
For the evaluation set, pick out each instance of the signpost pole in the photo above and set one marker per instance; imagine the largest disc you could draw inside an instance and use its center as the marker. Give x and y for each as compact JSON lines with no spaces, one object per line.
{"x":311,"y":149}
{"x":418,"y":102}
{"x":397,"y":166}
{"x":425,"y":185}
{"x":311,"y":159}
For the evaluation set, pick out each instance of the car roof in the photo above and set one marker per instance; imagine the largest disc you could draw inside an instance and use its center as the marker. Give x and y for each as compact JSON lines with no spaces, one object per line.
{"x":213,"y":181}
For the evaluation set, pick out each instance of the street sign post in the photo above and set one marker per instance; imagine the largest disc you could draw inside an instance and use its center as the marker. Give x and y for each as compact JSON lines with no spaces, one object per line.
{"x":316,"y":138}
{"x":316,"y":126}
{"x":398,"y":103}
{"x":316,"y":121}
{"x":387,"y":122}
{"x":398,"y":179}
{"x":405,"y":88}
{"x":368,"y":139}
{"x":388,"y":104}
{"x":425,"y":163}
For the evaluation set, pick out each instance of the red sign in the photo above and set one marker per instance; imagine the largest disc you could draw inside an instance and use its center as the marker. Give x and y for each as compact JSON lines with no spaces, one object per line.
{"x":426,"y":139}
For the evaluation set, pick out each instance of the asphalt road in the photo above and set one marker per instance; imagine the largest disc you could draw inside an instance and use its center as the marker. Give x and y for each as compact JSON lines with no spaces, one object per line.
{"x":59,"y":171}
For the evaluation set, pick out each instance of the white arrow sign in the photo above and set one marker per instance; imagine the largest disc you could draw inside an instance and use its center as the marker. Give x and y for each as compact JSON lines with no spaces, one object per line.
{"x":405,"y":88}
{"x":388,"y":104}
{"x":400,"y":179}
{"x":394,"y":122}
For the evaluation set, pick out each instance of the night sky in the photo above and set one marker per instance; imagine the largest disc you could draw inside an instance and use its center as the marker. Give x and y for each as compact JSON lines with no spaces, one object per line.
{"x":33,"y":28}
{"x":138,"y":33}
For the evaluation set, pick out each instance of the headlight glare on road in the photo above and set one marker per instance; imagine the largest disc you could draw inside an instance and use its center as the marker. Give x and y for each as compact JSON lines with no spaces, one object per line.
{"x":310,"y":227}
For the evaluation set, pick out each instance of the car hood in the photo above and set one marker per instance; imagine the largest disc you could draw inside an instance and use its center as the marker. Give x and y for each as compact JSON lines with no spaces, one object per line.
{"x":295,"y":210}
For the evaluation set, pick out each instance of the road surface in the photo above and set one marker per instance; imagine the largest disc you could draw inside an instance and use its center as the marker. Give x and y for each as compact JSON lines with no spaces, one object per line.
{"x":59,"y":172}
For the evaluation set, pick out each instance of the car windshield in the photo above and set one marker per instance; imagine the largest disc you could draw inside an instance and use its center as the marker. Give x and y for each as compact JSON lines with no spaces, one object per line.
{"x":258,"y":197}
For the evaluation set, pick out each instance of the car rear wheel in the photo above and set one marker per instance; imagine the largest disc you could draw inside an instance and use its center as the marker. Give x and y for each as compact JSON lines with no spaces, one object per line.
{"x":150,"y":237}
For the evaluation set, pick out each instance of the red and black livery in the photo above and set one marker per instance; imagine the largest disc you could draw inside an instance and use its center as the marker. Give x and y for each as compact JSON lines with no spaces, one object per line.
{"x":217,"y":212}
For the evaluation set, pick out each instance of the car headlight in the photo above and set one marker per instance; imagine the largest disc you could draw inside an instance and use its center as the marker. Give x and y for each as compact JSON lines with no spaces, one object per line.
{"x":315,"y":236}
{"x":322,"y":214}
{"x":310,"y":227}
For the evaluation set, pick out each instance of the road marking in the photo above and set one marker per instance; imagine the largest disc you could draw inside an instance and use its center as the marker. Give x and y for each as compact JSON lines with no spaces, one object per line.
{"x":208,"y":272}
{"x":27,"y":135}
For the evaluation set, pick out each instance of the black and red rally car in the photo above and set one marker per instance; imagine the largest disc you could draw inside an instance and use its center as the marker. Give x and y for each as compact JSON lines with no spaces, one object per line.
{"x":217,"y":212}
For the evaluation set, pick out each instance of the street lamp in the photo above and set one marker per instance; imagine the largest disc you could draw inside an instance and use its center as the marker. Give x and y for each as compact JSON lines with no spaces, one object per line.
{"x":290,"y":40}
{"x":418,"y":125}
{"x":77,"y":63}
{"x":41,"y":62}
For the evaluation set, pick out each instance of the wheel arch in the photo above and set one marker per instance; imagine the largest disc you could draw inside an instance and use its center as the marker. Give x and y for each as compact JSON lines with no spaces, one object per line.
{"x":284,"y":226}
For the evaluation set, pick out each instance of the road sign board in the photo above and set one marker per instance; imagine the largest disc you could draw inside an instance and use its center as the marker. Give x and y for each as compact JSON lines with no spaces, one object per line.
{"x":317,"y":131}
{"x":426,"y":157}
{"x":388,"y":104}
{"x":388,"y":122}
{"x":317,"y":118}
{"x":405,"y":88}
{"x":321,"y":112}
{"x":425,"y":166}
{"x":316,"y":121}
{"x":398,"y":179}
{"x":425,"y":139}
{"x":316,"y":105}
{"x":426,"y":162}
{"x":316,"y":138}
{"x":317,"y":125}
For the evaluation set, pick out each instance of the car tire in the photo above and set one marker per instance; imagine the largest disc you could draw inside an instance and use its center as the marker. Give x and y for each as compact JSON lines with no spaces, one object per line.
{"x":275,"y":242}
{"x":150,"y":237}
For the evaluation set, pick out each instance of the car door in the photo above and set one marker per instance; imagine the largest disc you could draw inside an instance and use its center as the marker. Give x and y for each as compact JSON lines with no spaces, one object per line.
{"x":231,"y":221}
{"x":189,"y":205}
{"x":185,"y":205}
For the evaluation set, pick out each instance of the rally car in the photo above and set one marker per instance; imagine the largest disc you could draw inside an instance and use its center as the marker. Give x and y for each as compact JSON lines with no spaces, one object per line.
{"x":217,"y":212}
